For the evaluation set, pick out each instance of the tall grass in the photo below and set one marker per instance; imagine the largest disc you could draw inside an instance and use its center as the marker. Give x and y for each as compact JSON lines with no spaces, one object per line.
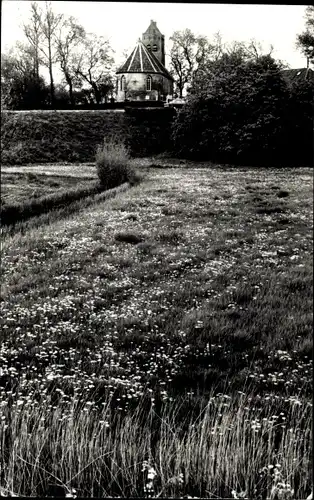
{"x":231,"y":446}
{"x":113,"y":164}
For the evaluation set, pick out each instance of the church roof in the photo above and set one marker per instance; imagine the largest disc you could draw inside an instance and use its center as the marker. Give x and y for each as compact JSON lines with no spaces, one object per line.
{"x":142,"y":60}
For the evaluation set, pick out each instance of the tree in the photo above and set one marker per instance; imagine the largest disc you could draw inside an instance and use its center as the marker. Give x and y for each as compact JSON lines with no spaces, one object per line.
{"x":305,"y":41}
{"x":69,"y":39}
{"x":41,"y":33}
{"x":49,"y":23}
{"x":21,"y":88}
{"x":236,"y":110}
{"x":34,"y":35}
{"x":187,"y":55}
{"x":94,"y":63}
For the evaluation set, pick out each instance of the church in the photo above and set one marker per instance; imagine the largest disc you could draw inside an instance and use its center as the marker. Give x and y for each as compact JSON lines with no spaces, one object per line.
{"x":143,"y":76}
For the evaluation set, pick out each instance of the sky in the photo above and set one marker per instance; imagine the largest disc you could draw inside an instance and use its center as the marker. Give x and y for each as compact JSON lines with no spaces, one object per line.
{"x":124,"y":22}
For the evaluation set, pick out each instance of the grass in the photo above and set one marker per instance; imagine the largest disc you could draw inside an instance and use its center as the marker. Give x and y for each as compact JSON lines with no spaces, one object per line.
{"x":29,"y":137}
{"x":17,"y":187}
{"x":34,"y":193}
{"x":178,"y":365}
{"x":45,"y":137}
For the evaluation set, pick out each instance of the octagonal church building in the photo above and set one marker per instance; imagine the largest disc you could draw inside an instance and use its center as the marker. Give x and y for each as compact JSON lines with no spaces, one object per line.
{"x":143,"y":76}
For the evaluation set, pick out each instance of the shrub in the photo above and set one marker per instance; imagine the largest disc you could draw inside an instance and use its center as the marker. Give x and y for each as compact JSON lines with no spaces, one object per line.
{"x":113,"y":164}
{"x":236,"y":113}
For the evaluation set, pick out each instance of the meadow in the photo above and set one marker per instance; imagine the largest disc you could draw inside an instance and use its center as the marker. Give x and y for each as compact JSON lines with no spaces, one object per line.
{"x":159,"y":343}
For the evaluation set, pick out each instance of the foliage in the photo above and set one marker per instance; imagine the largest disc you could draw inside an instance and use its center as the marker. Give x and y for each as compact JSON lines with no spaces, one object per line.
{"x":305,"y":41}
{"x":21,"y":88}
{"x":113,"y":164}
{"x":149,"y":130}
{"x":237,"y":111}
{"x":189,"y":53}
{"x":9,"y":125}
{"x":299,"y":122}
{"x":45,"y":137}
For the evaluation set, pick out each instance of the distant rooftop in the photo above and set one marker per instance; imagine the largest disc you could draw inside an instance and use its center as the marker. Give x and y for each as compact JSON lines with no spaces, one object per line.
{"x":298,"y":74}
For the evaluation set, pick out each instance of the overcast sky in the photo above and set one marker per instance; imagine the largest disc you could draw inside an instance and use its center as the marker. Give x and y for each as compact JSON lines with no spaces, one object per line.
{"x":124,"y":22}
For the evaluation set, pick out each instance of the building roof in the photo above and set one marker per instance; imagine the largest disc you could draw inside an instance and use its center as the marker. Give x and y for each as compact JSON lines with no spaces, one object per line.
{"x":141,"y":60}
{"x":152,"y":28}
{"x":298,"y":74}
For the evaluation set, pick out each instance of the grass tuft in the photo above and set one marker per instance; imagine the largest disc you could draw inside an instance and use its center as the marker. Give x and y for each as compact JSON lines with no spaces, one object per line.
{"x":113,"y":164}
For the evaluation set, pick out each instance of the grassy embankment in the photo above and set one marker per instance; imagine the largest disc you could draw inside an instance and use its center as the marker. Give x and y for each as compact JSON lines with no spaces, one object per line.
{"x":46,"y":137}
{"x":63,"y":136}
{"x":160,"y":343}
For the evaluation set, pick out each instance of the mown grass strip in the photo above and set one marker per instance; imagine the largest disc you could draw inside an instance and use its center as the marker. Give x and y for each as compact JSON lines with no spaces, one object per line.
{"x":11,"y":214}
{"x":60,"y":210}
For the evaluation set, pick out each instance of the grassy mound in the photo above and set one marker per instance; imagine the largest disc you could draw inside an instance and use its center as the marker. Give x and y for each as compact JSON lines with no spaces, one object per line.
{"x":58,"y":136}
{"x":65,"y":136}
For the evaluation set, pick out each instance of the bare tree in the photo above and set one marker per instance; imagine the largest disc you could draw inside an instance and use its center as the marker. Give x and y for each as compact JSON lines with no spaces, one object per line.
{"x":94,"y":64}
{"x":49,"y":24}
{"x":187,"y":56}
{"x":69,"y":38}
{"x":34,"y":35}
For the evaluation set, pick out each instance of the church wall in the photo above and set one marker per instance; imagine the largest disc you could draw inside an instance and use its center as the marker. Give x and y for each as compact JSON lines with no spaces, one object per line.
{"x":136,"y":87}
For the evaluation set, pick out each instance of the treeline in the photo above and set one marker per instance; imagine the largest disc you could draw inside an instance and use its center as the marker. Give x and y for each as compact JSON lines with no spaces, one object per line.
{"x":242,"y":109}
{"x":55,"y":41}
{"x":242,"y":106}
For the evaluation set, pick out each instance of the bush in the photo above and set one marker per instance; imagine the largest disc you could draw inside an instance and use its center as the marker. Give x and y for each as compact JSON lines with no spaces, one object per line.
{"x":237,"y":113}
{"x":113,"y":164}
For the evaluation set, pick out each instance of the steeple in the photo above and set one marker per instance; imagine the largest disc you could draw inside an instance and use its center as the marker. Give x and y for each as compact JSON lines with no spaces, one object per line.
{"x":155,"y":41}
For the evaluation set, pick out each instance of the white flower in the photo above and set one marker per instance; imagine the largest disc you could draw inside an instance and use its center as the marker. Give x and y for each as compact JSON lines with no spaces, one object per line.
{"x":151,"y":473}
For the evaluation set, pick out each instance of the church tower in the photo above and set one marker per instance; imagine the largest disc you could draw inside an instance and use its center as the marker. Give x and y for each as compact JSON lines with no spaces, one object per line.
{"x":154,"y":41}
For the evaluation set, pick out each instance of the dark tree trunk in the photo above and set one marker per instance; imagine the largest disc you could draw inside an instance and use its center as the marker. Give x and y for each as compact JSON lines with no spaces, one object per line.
{"x":96,"y":93}
{"x":52,"y":87}
{"x":69,"y":82}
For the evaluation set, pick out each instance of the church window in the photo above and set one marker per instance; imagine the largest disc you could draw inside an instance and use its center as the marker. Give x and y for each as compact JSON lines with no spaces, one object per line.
{"x":122,"y":83}
{"x":149,"y":83}
{"x":155,"y":48}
